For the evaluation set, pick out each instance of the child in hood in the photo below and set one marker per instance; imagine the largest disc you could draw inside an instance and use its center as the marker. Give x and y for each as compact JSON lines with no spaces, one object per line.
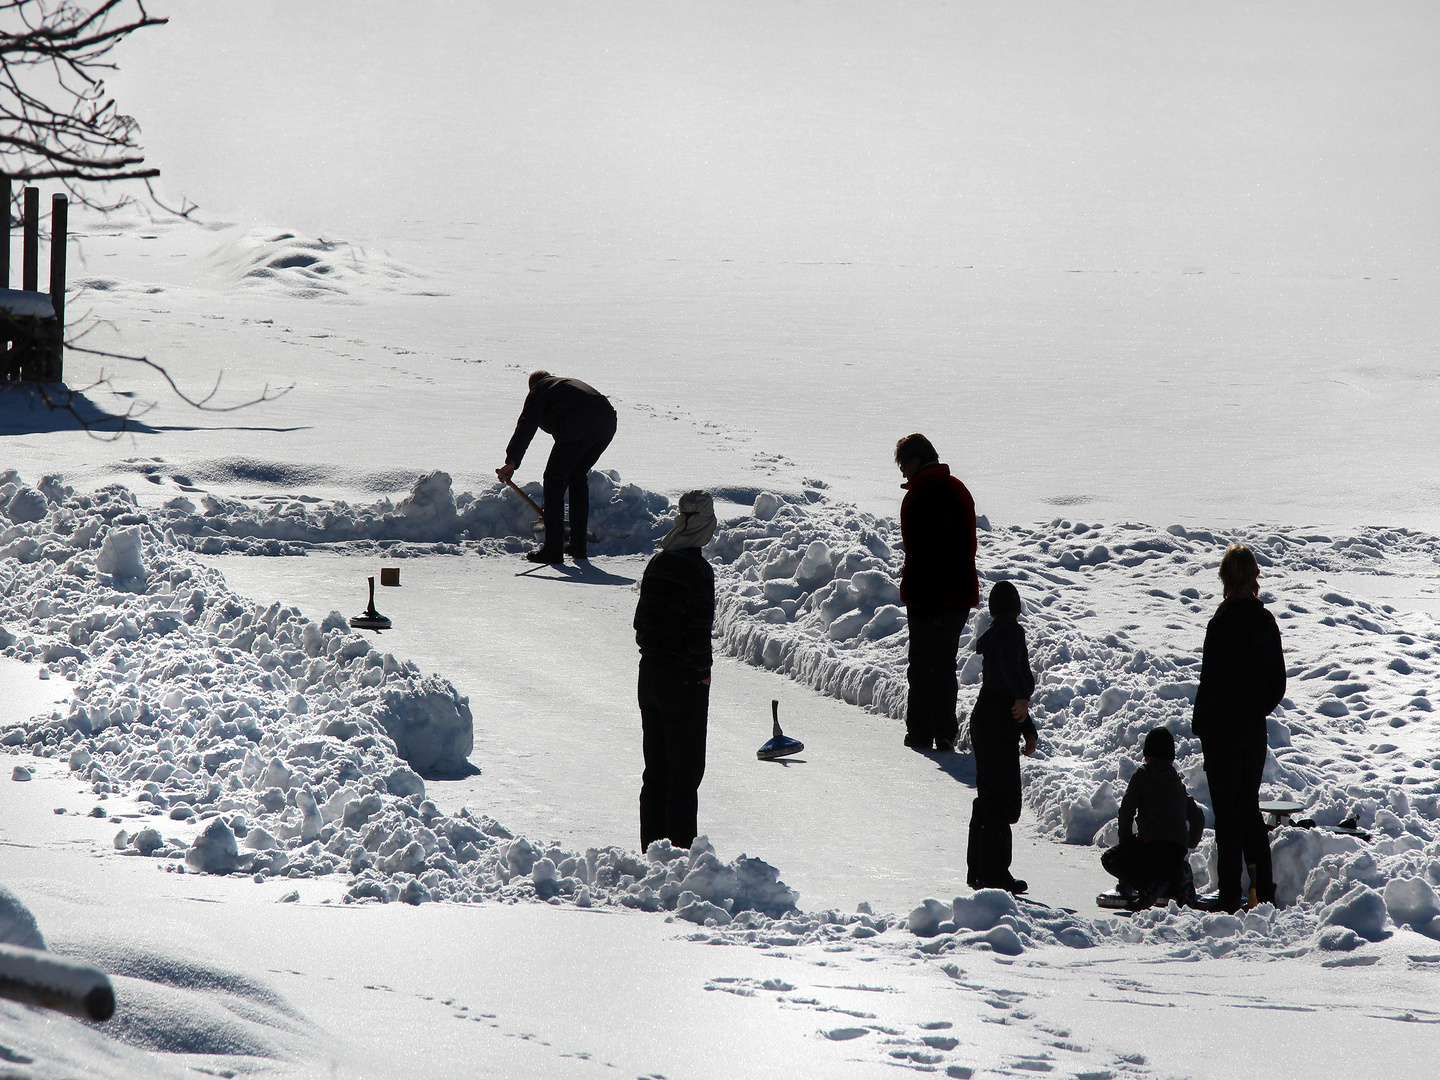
{"x":1000,"y":720}
{"x":1169,"y":822}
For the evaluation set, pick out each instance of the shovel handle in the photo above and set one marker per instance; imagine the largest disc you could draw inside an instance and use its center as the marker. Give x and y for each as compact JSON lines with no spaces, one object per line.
{"x":533,"y":506}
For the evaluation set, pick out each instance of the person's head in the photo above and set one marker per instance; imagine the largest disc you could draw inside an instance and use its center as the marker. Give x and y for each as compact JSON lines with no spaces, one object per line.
{"x":536,"y":376}
{"x":1160,"y":745}
{"x":1239,"y":572}
{"x":913,"y":453}
{"x":694,"y":522}
{"x":1004,"y":600}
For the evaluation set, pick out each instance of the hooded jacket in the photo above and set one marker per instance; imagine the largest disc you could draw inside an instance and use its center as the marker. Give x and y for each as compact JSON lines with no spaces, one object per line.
{"x":937,"y":526}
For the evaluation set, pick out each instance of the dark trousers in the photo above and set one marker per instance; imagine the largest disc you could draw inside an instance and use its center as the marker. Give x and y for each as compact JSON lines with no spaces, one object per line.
{"x":934,"y":686}
{"x":568,"y":469}
{"x":1234,"y":774}
{"x":674,"y":708}
{"x":1148,"y":866}
{"x":995,"y":737}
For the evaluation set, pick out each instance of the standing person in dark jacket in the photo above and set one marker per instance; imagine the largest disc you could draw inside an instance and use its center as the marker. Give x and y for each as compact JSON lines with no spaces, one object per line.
{"x":672,"y":628}
{"x":1242,"y":678}
{"x":938,"y":587}
{"x":1001,"y":718}
{"x":583,"y":423}
{"x":1170,"y":823}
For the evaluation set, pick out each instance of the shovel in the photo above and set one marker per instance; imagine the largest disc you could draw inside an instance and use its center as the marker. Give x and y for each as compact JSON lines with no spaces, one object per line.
{"x":540,"y":512}
{"x":780,"y":744}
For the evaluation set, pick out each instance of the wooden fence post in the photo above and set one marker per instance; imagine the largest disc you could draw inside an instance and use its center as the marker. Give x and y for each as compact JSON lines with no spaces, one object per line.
{"x":59,"y":225}
{"x":5,"y":247}
{"x":30,"y":258}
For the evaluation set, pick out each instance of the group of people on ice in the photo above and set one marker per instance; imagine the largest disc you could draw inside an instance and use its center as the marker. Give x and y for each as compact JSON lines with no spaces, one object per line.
{"x":1242,"y":676}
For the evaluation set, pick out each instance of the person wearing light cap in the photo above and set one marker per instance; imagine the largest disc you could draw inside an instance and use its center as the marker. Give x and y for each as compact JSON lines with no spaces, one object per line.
{"x":672,"y":628}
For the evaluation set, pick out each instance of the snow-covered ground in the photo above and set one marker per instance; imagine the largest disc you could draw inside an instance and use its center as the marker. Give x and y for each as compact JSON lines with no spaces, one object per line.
{"x":1148,"y":279}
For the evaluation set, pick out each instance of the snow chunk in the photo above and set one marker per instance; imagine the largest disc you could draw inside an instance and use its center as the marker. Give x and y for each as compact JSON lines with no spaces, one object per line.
{"x":983,"y":910}
{"x":17,"y":924}
{"x":214,"y":850}
{"x":431,"y":726}
{"x":1362,"y":909}
{"x":120,"y":555}
{"x":1411,"y":901}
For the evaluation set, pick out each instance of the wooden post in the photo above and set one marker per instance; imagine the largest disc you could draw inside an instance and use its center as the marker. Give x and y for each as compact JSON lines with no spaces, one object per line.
{"x":30,"y":258}
{"x":59,"y":224}
{"x":5,"y":247}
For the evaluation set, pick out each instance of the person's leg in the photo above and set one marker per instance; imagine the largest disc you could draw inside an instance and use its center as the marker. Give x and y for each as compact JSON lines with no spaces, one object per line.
{"x":946,"y":724}
{"x":1220,"y":773}
{"x":686,"y":751}
{"x":925,"y":673}
{"x":557,"y":477}
{"x":1254,"y":837}
{"x":654,"y":782}
{"x":579,"y":486}
{"x":997,"y":802}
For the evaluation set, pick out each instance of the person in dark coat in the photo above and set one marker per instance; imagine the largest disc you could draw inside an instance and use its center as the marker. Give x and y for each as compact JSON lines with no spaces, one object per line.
{"x":938,"y":587}
{"x":1242,"y":679}
{"x":1000,"y":720}
{"x":1168,"y":822}
{"x":583,"y":423}
{"x":672,"y":627}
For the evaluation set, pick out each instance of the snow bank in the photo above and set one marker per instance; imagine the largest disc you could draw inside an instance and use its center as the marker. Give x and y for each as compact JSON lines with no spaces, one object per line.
{"x":625,"y":519}
{"x":290,"y":747}
{"x":298,"y":748}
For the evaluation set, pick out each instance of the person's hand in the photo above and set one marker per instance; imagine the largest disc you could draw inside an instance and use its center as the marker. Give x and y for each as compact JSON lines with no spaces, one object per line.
{"x":705,"y":681}
{"x":1021,"y":709}
{"x":1029,"y":747}
{"x":505,"y":472}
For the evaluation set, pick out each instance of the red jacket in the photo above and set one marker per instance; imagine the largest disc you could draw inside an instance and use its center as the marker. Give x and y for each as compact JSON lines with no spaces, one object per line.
{"x":937,"y":526}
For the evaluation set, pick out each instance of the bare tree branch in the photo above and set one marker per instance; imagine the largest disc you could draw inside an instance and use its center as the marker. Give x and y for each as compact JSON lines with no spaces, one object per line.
{"x":57,"y":121}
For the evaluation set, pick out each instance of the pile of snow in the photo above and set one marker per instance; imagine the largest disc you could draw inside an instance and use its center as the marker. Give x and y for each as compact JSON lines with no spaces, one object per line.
{"x":307,"y":268}
{"x":625,"y":519}
{"x":279,"y":745}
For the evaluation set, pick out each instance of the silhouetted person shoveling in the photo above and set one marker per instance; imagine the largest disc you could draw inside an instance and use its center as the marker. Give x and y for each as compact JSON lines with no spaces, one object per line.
{"x":583,"y":423}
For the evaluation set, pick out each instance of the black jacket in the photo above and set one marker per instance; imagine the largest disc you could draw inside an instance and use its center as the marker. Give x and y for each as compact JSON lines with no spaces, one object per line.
{"x":1006,"y":676}
{"x":564,"y":408}
{"x":676,"y":610}
{"x":937,"y":527}
{"x":1167,"y":813}
{"x":1242,"y":676}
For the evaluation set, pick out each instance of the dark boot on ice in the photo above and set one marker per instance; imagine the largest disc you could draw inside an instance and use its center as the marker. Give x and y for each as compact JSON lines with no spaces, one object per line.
{"x":544,"y":555}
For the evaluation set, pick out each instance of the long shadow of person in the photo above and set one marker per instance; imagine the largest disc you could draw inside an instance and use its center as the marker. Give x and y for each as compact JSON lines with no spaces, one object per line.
{"x":959,"y":767}
{"x":583,"y":574}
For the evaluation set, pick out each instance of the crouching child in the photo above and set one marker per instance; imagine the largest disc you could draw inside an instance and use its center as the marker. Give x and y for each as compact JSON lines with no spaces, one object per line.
{"x":1154,"y":864}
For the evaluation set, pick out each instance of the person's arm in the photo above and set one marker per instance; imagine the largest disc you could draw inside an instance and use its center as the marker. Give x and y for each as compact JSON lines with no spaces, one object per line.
{"x":1274,"y":668}
{"x":700,"y":620}
{"x":1128,"y":805}
{"x":1200,"y":715}
{"x":525,"y":429}
{"x":1196,"y":821}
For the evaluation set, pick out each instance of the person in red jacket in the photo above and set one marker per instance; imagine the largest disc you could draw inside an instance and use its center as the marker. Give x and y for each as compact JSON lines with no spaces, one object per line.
{"x":938,"y":586}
